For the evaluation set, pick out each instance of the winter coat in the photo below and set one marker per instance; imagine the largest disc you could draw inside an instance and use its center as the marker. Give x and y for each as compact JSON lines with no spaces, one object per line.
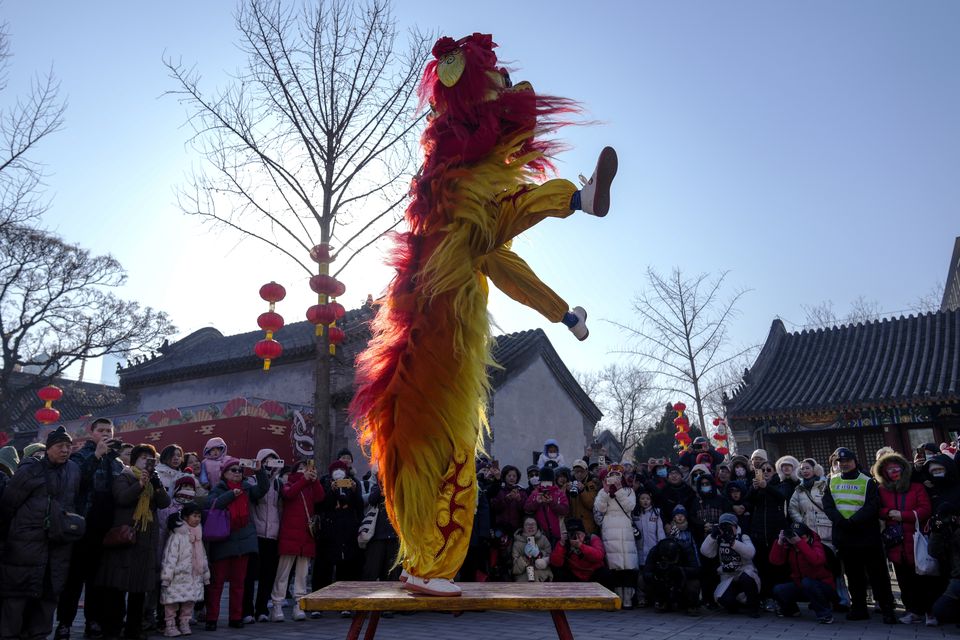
{"x":805,"y":559}
{"x":507,"y":508}
{"x":548,"y":514}
{"x":788,"y":483}
{"x":686,"y":540}
{"x":910,"y":498}
{"x":521,"y":561}
{"x":341,"y":513}
{"x":766,"y":506}
{"x":581,"y":505}
{"x":544,"y":458}
{"x":617,"y":528}
{"x":672,"y":495}
{"x":736,"y":559}
{"x":744,"y":513}
{"x":650,"y":526}
{"x":945,"y":547}
{"x":177,"y":580}
{"x":806,"y":506}
{"x":709,"y":509}
{"x":300,"y":497}
{"x":32,"y":566}
{"x":583,"y":564}
{"x":266,"y":511}
{"x":688,"y":563}
{"x":862,"y":528}
{"x":383,"y":529}
{"x":946,"y":489}
{"x":210,"y":467}
{"x":243,"y":540}
{"x":132,"y":569}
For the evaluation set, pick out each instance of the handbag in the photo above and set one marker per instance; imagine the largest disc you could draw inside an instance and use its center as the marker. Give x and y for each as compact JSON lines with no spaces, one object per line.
{"x":216,"y":525}
{"x":62,"y":525}
{"x":123,"y":535}
{"x":926,"y":564}
{"x":892,"y":533}
{"x":313,"y":521}
{"x":367,"y":526}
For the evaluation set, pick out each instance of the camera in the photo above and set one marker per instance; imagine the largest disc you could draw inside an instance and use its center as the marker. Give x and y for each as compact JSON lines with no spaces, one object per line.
{"x":114,"y":444}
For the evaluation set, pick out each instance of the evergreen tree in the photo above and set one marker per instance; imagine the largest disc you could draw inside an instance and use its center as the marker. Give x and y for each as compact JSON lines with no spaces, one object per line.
{"x":659,"y":442}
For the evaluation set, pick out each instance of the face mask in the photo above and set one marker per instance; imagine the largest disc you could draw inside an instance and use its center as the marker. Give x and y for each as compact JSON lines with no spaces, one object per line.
{"x":662,"y":472}
{"x":929,"y":456}
{"x":552,"y":455}
{"x":706,"y":489}
{"x":894,"y":472}
{"x":938,"y":474}
{"x":339,"y":474}
{"x":741,"y":472}
{"x":534,"y":481}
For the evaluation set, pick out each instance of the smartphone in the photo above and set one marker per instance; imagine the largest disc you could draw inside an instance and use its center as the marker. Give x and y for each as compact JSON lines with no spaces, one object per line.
{"x":247,"y":463}
{"x":757,"y":475}
{"x":602,"y":460}
{"x":275,"y":464}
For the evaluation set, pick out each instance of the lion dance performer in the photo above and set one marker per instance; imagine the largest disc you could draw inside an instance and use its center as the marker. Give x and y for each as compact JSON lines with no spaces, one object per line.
{"x":422,"y":381}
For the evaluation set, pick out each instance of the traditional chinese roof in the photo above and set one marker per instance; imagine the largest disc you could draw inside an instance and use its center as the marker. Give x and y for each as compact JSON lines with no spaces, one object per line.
{"x":884,"y":363}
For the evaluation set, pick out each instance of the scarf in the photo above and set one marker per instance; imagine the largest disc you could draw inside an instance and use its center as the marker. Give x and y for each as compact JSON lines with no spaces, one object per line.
{"x":239,"y":508}
{"x":142,"y":514}
{"x":809,"y":482}
{"x":195,"y":535}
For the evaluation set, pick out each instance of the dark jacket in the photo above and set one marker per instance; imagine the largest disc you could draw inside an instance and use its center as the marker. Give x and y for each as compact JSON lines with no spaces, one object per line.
{"x":507,"y":508}
{"x":680,"y":494}
{"x":660,"y":566}
{"x":244,"y":540}
{"x":768,"y":516}
{"x":133,"y":569}
{"x":862,"y":528}
{"x":383,"y":529}
{"x":341,"y":513}
{"x":946,"y":489}
{"x":32,"y":566}
{"x":945,"y":547}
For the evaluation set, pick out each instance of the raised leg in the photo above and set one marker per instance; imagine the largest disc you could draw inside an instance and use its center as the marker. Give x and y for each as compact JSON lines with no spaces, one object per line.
{"x":563,"y":627}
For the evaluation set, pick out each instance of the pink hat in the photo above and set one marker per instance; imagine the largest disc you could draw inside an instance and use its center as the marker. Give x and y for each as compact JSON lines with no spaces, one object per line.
{"x":227,"y":461}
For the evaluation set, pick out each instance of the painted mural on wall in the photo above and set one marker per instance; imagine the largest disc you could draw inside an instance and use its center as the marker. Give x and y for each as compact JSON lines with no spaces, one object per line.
{"x":864,"y":418}
{"x":294,"y":420}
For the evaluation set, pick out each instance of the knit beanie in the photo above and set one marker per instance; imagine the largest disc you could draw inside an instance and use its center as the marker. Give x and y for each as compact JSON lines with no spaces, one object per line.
{"x":57,"y":436}
{"x":31,"y":449}
{"x":9,"y":459}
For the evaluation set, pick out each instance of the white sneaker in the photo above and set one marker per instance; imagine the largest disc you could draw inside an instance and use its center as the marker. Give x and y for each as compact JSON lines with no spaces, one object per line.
{"x":249,"y":620}
{"x":932,"y":621}
{"x":910,"y":618}
{"x":595,"y":193}
{"x":431,"y":586}
{"x":580,"y":329}
{"x":404,"y":575}
{"x":276,"y":613}
{"x":298,"y":613}
{"x":263,"y":618}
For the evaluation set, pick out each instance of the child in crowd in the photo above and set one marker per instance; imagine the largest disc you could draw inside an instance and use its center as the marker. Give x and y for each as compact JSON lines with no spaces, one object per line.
{"x":213,"y":453}
{"x":184,"y":571}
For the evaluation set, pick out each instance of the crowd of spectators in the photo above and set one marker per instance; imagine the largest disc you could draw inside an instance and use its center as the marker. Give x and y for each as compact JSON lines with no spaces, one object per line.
{"x":150,"y":539}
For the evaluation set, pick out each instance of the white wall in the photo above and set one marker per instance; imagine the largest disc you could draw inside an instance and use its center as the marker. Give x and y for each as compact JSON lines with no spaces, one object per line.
{"x":528,"y":409}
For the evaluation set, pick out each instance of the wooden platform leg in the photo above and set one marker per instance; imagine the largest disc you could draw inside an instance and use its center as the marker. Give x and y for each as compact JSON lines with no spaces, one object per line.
{"x":563,"y":627}
{"x":372,"y":625}
{"x":356,"y":625}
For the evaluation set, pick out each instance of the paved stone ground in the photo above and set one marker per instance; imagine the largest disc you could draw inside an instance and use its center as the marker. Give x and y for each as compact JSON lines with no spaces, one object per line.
{"x":605,"y":625}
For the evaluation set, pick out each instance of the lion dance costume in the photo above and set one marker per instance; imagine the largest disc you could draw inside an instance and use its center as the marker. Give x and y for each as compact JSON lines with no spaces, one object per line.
{"x":422,"y":381}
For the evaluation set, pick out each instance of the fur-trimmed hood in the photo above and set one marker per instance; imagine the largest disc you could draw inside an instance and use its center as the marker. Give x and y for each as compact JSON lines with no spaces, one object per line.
{"x":794,"y":475}
{"x":903,"y":484}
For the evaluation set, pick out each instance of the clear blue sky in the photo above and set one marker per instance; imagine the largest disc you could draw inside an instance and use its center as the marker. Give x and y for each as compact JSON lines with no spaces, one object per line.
{"x":812,"y":149}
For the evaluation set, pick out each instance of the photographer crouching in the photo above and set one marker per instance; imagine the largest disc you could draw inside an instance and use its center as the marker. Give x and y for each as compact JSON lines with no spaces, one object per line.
{"x":739,"y":582}
{"x":670,"y":578}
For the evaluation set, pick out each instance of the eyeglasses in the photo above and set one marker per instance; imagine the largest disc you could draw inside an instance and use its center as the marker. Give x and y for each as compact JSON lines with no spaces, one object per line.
{"x":768,"y":470}
{"x":233,"y":470}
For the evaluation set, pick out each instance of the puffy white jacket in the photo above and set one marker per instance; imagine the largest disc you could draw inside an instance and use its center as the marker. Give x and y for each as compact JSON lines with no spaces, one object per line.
{"x":806,"y":506}
{"x":650,"y":526}
{"x":177,"y":581}
{"x":739,"y":556}
{"x":617,"y":528}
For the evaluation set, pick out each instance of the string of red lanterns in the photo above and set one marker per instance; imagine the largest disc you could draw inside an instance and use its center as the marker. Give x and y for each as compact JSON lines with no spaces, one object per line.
{"x":47,"y":414}
{"x":682,"y":436}
{"x":327,"y":310}
{"x":270,"y":321}
{"x":720,"y":435}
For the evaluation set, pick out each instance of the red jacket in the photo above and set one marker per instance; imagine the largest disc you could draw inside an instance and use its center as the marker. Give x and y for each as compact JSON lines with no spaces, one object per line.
{"x":548,"y":514}
{"x":806,"y":560}
{"x":299,"y":498}
{"x":582,"y":564}
{"x":915,"y":499}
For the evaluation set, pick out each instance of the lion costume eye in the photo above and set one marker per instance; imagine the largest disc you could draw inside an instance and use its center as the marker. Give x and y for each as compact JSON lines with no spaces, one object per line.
{"x":450,"y":68}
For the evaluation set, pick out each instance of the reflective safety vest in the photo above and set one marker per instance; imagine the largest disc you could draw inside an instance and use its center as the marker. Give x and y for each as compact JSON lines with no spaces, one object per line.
{"x":849,"y":495}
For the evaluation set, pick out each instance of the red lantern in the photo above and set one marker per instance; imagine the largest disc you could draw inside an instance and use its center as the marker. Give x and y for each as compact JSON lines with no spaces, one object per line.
{"x":47,"y":415}
{"x":716,"y":422}
{"x":321,"y":254}
{"x":338,"y":310}
{"x":324,"y":284}
{"x":50,"y":393}
{"x":267,"y":350}
{"x":270,"y":321}
{"x":336,"y":335}
{"x":321,"y":314}
{"x":723,"y":451}
{"x":272,"y":293}
{"x":679,"y":407}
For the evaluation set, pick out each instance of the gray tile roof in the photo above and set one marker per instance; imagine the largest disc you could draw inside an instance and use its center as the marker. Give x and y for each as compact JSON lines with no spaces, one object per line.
{"x":884,"y":363}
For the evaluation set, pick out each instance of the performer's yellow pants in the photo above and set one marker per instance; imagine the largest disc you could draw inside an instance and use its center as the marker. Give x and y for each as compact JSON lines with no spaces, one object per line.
{"x":519,"y":210}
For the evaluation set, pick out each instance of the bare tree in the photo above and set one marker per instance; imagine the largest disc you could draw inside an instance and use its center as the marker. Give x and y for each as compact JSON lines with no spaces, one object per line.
{"x":931,"y":300}
{"x":824,"y":315}
{"x":682,"y":332}
{"x":625,"y":394}
{"x":56,"y":309}
{"x":312,"y":142}
{"x":24,"y":124}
